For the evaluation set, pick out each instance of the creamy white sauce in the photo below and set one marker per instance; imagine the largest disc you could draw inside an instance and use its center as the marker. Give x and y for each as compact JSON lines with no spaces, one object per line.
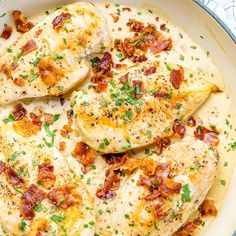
{"x":216,"y":111}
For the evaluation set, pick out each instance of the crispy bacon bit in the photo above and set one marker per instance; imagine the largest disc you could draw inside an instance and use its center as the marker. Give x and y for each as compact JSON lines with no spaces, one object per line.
{"x":99,"y":79}
{"x":66,"y":131}
{"x":60,"y":20}
{"x":150,"y":70}
{"x":5,"y":69}
{"x":177,"y":77}
{"x":19,"y":81}
{"x":165,"y":45}
{"x":207,"y":136}
{"x":104,"y":64}
{"x":119,"y":66}
{"x":64,"y":196}
{"x":85,"y":155}
{"x":62,"y":146}
{"x":138,"y":88}
{"x":188,"y":228}
{"x":6,"y":33}
{"x":179,"y":128}
{"x":169,"y":187}
{"x":14,"y":65}
{"x":46,"y":175}
{"x":149,"y":167}
{"x":29,"y":199}
{"x":19,"y":112}
{"x":26,"y":127}
{"x":126,"y":9}
{"x":135,"y":25}
{"x":160,"y":95}
{"x":162,"y":143}
{"x":107,"y":5}
{"x":70,"y":116}
{"x":111,"y":183}
{"x":208,"y":208}
{"x":163,"y":27}
{"x":140,"y":59}
{"x":29,"y":47}
{"x":116,"y":159}
{"x":159,"y":211}
{"x":124,"y":78}
{"x":49,"y":72}
{"x":43,"y":226}
{"x":48,"y":118}
{"x":36,"y":120}
{"x":38,"y":32}
{"x":13,"y":177}
{"x":115,"y":17}
{"x":21,"y":22}
{"x":100,"y":88}
{"x":191,"y":122}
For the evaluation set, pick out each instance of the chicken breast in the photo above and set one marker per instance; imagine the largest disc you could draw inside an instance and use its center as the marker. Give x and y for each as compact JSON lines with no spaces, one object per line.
{"x":138,"y":105}
{"x":51,"y":58}
{"x":162,"y":193}
{"x":39,"y":193}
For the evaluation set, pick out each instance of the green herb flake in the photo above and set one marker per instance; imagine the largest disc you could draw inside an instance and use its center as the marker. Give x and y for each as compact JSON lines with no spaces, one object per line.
{"x":223,"y":182}
{"x":56,"y":117}
{"x":14,"y":155}
{"x":137,"y":42}
{"x":149,"y":134}
{"x":22,"y":225}
{"x":10,"y":118}
{"x":185,"y":195}
{"x":57,"y":218}
{"x":180,"y":35}
{"x":181,"y":57}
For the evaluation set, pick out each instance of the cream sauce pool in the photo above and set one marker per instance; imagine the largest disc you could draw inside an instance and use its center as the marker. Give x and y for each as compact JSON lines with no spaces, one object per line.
{"x":216,"y":112}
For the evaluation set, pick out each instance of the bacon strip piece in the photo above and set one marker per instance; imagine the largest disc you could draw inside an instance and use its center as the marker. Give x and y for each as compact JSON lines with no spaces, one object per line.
{"x":60,"y":20}
{"x":64,"y":196}
{"x":5,"y":69}
{"x":29,"y":47}
{"x":19,"y":112}
{"x":208,"y":208}
{"x":177,"y":77}
{"x":46,"y":175}
{"x":166,"y":45}
{"x":29,"y":200}
{"x":207,"y":136}
{"x":21,"y":22}
{"x":179,"y":128}
{"x":7,"y":31}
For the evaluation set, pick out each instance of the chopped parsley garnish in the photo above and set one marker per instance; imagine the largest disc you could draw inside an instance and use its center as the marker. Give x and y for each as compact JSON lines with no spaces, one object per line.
{"x":180,"y":35}
{"x":22,"y":225}
{"x":50,"y":134}
{"x":149,"y":134}
{"x":104,"y":144}
{"x":129,"y":115}
{"x":34,"y":77}
{"x":185,"y":195}
{"x":9,"y":119}
{"x":167,"y":66}
{"x":64,"y":41}
{"x":57,"y":218}
{"x":223,"y":182}
{"x":14,"y":155}
{"x":38,"y":207}
{"x":60,"y":88}
{"x":9,"y":50}
{"x":36,"y":61}
{"x":119,"y":55}
{"x":94,"y":62}
{"x":181,"y":57}
{"x":56,"y":117}
{"x":233,"y":146}
{"x":193,"y":47}
{"x":86,"y":103}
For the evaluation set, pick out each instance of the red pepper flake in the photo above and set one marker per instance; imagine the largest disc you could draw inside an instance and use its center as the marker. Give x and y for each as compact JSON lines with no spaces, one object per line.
{"x":59,"y":21}
{"x":177,"y":77}
{"x":165,"y":45}
{"x":191,"y":122}
{"x":207,"y":136}
{"x":21,"y":22}
{"x":29,"y":47}
{"x":29,"y":199}
{"x":7,"y":31}
{"x":150,"y":70}
{"x":179,"y":128}
{"x":19,"y":112}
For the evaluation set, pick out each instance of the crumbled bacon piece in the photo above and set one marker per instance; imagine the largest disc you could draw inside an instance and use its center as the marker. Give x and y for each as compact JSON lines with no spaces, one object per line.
{"x":5,"y":69}
{"x":100,"y":88}
{"x":165,"y":45}
{"x":43,"y":226}
{"x":135,"y":25}
{"x":46,"y":175}
{"x":29,"y":199}
{"x":60,"y":20}
{"x":19,"y":81}
{"x":126,"y":9}
{"x":138,"y":88}
{"x":36,"y":120}
{"x":21,"y":22}
{"x":163,"y":27}
{"x":26,"y":127}
{"x":13,"y":177}
{"x":207,"y":136}
{"x":19,"y":112}
{"x":116,"y":159}
{"x":49,"y":72}
{"x":119,"y":66}
{"x":115,"y":17}
{"x":179,"y":128}
{"x":85,"y":155}
{"x":111,"y":183}
{"x":149,"y":166}
{"x":64,"y":196}
{"x":150,"y":70}
{"x":6,"y":33}
{"x":188,"y":228}
{"x":177,"y":77}
{"x":104,"y":64}
{"x":162,"y":143}
{"x":29,"y":47}
{"x":14,"y":65}
{"x":208,"y":208}
{"x":66,"y":131}
{"x":124,"y":78}
{"x":191,"y":122}
{"x":169,"y":187}
{"x":2,"y":167}
{"x":128,"y":46}
{"x":99,"y":79}
{"x":70,"y":116}
{"x":48,"y":118}
{"x":159,"y":211}
{"x":160,"y":94}
{"x":141,"y":58}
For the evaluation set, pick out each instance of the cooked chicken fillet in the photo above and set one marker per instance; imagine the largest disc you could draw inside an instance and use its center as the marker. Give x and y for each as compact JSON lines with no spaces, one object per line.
{"x":33,"y":171}
{"x":137,"y":106}
{"x":51,"y":58}
{"x":193,"y":165}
